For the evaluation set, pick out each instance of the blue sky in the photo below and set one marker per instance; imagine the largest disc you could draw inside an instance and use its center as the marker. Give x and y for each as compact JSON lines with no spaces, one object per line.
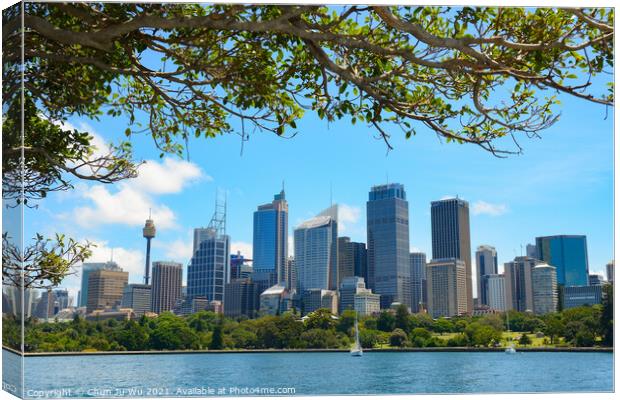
{"x":562,"y":184}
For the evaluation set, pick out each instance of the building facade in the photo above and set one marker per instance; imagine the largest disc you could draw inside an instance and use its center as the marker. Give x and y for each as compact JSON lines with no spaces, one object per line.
{"x":105,"y":289}
{"x":313,"y":299}
{"x":518,"y":278}
{"x":270,"y":240}
{"x":596,"y":280}
{"x":451,"y":237}
{"x":274,"y":301}
{"x":209,"y":268}
{"x":609,"y":268}
{"x":387,"y":219}
{"x":496,"y":292}
{"x":137,"y":296}
{"x":241,"y":297}
{"x":486,"y":264}
{"x":447,"y":290}
{"x":352,"y":259}
{"x":576,"y":296}
{"x":569,"y":254}
{"x":166,"y":285}
{"x":366,"y":303}
{"x":87,"y":268}
{"x":349,"y":287}
{"x":544,"y":289}
{"x":418,"y":281}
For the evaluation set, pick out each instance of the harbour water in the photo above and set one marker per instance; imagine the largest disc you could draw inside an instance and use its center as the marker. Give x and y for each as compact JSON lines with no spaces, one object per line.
{"x":310,"y":374}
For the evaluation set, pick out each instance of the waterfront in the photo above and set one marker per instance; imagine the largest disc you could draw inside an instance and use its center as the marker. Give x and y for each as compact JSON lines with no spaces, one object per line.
{"x":314,"y":373}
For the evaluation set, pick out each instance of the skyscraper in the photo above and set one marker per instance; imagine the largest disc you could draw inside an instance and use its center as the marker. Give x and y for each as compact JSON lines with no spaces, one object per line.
{"x":531,"y":251}
{"x":270,"y":240}
{"x":352,"y":259}
{"x":387,"y":218}
{"x":610,"y":271}
{"x":486,"y":264}
{"x":166,"y":285}
{"x":316,"y":251}
{"x":87,"y":268}
{"x":569,"y":254}
{"x":241,"y":297}
{"x":447,"y":290}
{"x":105,"y":289}
{"x":137,"y":296}
{"x":349,"y":287}
{"x":451,"y":237}
{"x":544,"y":289}
{"x":418,"y":280}
{"x":209,"y":268}
{"x":496,"y":292}
{"x":518,"y":279}
{"x":148,"y":232}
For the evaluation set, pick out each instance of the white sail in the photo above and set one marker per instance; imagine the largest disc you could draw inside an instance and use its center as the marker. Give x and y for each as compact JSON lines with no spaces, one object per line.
{"x":356,"y":350}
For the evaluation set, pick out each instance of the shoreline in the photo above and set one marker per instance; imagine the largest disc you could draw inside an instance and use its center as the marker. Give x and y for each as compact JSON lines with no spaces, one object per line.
{"x":268,"y":351}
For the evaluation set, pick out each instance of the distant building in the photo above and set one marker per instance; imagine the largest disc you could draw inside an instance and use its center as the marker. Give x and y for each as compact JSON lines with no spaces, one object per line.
{"x":418,"y":280}
{"x":105,"y":289}
{"x":292,"y":273}
{"x":576,"y":296}
{"x":349,"y":287}
{"x":121,"y":314}
{"x":531,"y":251}
{"x":186,"y":306}
{"x":239,"y":266}
{"x":51,"y":303}
{"x":166,"y":287}
{"x":451,"y":237}
{"x":486,"y":264}
{"x":496,"y":292}
{"x":241,"y":297}
{"x":208,"y":270}
{"x":544,"y":289}
{"x":352,"y":259}
{"x":387,"y":221}
{"x":274,"y":301}
{"x":596,"y":280}
{"x":316,"y":251}
{"x":87,"y":268}
{"x":137,"y":296}
{"x":270,"y":241}
{"x":569,"y":254}
{"x":313,"y":299}
{"x":14,"y":297}
{"x":610,"y":271}
{"x":518,"y":283}
{"x":366,"y":303}
{"x":447,"y":291}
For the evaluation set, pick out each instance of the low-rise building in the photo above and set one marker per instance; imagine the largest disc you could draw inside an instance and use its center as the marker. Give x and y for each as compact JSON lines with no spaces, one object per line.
{"x":575,"y":296}
{"x":367,"y":303}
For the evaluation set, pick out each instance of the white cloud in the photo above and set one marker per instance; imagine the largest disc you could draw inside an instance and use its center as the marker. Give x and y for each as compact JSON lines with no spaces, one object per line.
{"x":447,"y":197}
{"x":483,"y":208}
{"x":178,"y":250}
{"x":348,"y":218}
{"x":130,"y":202}
{"x":244,"y":247}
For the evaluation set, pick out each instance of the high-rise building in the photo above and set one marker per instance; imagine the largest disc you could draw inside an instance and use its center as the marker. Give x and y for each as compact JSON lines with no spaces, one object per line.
{"x":87,"y":268}
{"x":148,"y":232}
{"x":292,"y":273}
{"x":569,"y":254}
{"x":418,"y":280}
{"x":270,"y":240}
{"x":518,"y":279}
{"x":544,"y":289}
{"x":237,"y":263}
{"x":105,"y":289}
{"x":596,"y":280}
{"x":51,"y":303}
{"x":387,"y":219}
{"x":349,"y":287}
{"x":447,"y":290}
{"x":451,"y":237}
{"x":316,"y":251}
{"x":241,"y":297}
{"x":209,"y":268}
{"x":352,"y":259}
{"x":137,"y":296}
{"x":166,"y":285}
{"x":486,"y":264}
{"x":610,"y":271}
{"x":496,"y":292}
{"x":531,"y":251}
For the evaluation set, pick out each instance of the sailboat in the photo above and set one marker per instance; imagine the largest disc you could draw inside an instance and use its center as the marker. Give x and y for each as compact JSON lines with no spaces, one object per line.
{"x":511,"y":347}
{"x":356,"y":350}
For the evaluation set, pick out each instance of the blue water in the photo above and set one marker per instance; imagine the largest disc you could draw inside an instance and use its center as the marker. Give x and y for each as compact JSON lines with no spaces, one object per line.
{"x":313,"y":373}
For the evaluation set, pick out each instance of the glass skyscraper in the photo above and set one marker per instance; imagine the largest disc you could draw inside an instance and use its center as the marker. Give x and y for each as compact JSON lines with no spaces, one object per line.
{"x":208,"y":270}
{"x":568,"y":254}
{"x":418,"y":280}
{"x":270,"y":241}
{"x":451,"y":238}
{"x":387,"y":218}
{"x":486,"y":264}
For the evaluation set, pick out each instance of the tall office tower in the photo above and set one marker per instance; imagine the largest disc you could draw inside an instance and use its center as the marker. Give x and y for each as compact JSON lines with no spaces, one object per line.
{"x":447,"y":289}
{"x":149,"y":233}
{"x":209,"y":268}
{"x":166,"y":285}
{"x":237,"y":263}
{"x":241,"y":297}
{"x":610,"y":271}
{"x":352,"y":259}
{"x":486,"y":264}
{"x":349,"y":287}
{"x":87,"y":268}
{"x":496,"y":292}
{"x":387,"y":219}
{"x":105,"y":289}
{"x":316,"y":251}
{"x":451,"y":238}
{"x":292,"y":273}
{"x":518,"y":278}
{"x":270,"y":241}
{"x":418,"y":280}
{"x":544,"y":289}
{"x":137,"y":296}
{"x":531,"y":251}
{"x":595,"y":280}
{"x":569,"y":254}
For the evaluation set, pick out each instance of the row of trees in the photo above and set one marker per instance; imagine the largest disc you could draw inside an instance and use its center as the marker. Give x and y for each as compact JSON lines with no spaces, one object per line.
{"x":583,"y":326}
